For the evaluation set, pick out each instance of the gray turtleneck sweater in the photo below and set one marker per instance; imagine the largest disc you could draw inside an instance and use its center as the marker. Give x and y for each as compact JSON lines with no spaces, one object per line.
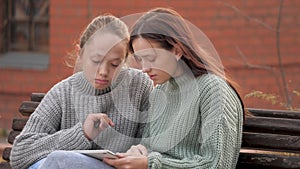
{"x":57,"y":122}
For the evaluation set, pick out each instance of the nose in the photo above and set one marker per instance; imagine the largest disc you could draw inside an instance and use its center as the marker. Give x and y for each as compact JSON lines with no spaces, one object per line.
{"x":145,"y":67}
{"x":102,"y":70}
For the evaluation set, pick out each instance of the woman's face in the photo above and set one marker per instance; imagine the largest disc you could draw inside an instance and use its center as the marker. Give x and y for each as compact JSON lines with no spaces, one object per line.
{"x":102,"y":57}
{"x":160,"y":64}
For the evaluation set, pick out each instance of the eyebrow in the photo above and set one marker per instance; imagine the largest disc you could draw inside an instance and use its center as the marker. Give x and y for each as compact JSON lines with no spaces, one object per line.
{"x":97,"y":55}
{"x":115,"y":59}
{"x":145,"y":55}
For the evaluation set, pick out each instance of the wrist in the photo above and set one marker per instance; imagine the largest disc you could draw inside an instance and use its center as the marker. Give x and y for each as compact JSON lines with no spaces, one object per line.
{"x":86,"y":135}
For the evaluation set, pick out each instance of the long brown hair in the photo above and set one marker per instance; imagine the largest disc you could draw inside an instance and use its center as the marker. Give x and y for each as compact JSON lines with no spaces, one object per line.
{"x":169,"y":29}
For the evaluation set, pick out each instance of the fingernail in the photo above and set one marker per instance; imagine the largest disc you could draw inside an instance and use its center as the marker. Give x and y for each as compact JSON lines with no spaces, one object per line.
{"x":96,"y":124}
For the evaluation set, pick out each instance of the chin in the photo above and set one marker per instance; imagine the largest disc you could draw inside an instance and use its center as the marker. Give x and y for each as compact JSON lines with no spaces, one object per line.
{"x":160,"y":81}
{"x":101,"y":87}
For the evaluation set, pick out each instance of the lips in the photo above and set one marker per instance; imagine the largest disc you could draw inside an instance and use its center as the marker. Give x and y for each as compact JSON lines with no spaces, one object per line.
{"x":152,"y":76}
{"x":101,"y":81}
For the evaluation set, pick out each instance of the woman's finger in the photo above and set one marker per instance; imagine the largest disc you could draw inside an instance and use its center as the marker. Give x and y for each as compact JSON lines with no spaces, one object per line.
{"x":142,"y":149}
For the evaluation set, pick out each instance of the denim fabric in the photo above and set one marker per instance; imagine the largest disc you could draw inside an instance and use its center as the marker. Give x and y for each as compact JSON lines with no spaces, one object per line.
{"x":37,"y":164}
{"x":72,"y":160}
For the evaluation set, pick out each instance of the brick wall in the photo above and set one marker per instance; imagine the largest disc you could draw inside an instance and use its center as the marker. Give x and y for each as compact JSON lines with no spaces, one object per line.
{"x":243,"y":32}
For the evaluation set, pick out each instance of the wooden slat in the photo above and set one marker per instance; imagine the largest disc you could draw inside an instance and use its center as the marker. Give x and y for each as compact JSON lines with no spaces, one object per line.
{"x":271,"y":141}
{"x":19,"y":123}
{"x":5,"y":165}
{"x":259,"y":161}
{"x":37,"y":97}
{"x":28,"y":107}
{"x":272,"y":125}
{"x":6,"y":153}
{"x":12,"y":136}
{"x":275,"y":113}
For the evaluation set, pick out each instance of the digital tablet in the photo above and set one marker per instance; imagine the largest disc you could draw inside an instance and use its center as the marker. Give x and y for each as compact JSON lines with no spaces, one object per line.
{"x":99,"y":154}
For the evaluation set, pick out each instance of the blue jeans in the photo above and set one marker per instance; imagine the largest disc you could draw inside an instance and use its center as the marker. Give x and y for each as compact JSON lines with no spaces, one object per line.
{"x":37,"y":164}
{"x":69,"y":160}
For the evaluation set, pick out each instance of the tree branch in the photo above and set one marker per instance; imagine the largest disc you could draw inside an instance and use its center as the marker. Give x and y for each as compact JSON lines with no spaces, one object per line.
{"x":283,"y":77}
{"x":246,"y":16}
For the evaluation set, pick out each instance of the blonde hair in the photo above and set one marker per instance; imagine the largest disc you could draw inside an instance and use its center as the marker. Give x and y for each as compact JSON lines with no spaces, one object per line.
{"x":113,"y":25}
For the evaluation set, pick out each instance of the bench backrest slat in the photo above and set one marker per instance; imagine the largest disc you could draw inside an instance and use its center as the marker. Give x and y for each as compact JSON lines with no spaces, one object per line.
{"x":275,"y":113}
{"x":271,"y":141}
{"x":272,"y":125}
{"x":275,"y":161}
{"x":19,"y":123}
{"x":28,"y":107}
{"x":37,"y":97}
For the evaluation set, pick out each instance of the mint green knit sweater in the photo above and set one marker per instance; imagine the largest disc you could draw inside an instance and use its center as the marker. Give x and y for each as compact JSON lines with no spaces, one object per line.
{"x":194,"y":123}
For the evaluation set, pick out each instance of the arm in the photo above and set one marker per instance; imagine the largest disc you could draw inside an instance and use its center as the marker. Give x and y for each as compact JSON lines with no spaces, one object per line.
{"x":145,"y":88}
{"x":42,"y":133}
{"x":220,"y":131}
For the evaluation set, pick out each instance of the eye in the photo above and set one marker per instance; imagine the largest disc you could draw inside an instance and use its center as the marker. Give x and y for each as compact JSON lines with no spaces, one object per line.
{"x":115,"y":65}
{"x":96,"y":61}
{"x":137,"y":58}
{"x":151,"y":58}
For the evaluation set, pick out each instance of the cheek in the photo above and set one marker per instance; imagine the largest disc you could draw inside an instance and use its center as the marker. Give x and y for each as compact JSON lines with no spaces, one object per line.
{"x":90,"y":67}
{"x":168,"y":65}
{"x":115,"y":71}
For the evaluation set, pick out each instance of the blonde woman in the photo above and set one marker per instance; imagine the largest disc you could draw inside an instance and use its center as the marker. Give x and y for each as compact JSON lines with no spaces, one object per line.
{"x":102,"y":106}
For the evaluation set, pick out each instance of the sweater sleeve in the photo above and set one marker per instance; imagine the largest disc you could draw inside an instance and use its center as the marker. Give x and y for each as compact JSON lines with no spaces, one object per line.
{"x":146,"y":88}
{"x":42,"y":135}
{"x":220,"y":133}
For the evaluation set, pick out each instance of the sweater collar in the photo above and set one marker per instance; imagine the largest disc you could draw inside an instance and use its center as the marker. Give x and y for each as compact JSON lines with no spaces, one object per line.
{"x":183,"y":81}
{"x":82,"y":85}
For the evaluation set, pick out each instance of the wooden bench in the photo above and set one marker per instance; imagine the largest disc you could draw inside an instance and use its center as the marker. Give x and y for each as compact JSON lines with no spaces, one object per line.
{"x":271,"y":138}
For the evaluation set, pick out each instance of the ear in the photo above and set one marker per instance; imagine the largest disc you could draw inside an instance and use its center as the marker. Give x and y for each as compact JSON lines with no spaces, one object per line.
{"x":78,"y":62}
{"x":178,"y":52}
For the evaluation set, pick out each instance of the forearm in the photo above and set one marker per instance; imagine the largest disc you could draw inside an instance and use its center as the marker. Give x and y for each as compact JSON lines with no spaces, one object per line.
{"x":31,"y":146}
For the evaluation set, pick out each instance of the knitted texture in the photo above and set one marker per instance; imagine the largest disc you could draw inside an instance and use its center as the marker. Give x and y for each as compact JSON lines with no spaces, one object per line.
{"x":194,"y":123}
{"x":57,"y":122}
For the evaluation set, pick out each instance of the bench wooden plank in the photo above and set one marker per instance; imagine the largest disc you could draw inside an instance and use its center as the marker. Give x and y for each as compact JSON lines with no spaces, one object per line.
{"x":275,"y":161}
{"x":37,"y":97}
{"x":12,"y":136}
{"x":19,"y":123}
{"x":271,"y":141}
{"x":272,"y":125}
{"x":28,"y":107}
{"x":5,"y":165}
{"x":275,"y":113}
{"x":6,"y":153}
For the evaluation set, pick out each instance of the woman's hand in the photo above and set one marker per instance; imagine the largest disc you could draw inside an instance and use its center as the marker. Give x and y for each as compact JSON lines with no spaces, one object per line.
{"x":137,"y":150}
{"x":128,"y":162}
{"x":95,"y":123}
{"x":134,"y":158}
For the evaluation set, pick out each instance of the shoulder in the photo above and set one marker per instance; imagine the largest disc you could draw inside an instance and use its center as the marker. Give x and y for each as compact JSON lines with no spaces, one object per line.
{"x":210,"y":81}
{"x":218,"y":95}
{"x":135,"y":77}
{"x":63,"y":83}
{"x":210,"y":78}
{"x":213,"y":86}
{"x":132,"y":72}
{"x":61,"y":87}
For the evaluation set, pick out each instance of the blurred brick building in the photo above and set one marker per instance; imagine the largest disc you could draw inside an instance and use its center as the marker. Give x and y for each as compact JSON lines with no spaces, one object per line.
{"x":243,"y":32}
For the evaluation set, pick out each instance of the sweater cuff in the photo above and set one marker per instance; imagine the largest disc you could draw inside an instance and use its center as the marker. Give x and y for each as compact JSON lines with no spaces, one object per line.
{"x":85,"y":140}
{"x":154,"y":160}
